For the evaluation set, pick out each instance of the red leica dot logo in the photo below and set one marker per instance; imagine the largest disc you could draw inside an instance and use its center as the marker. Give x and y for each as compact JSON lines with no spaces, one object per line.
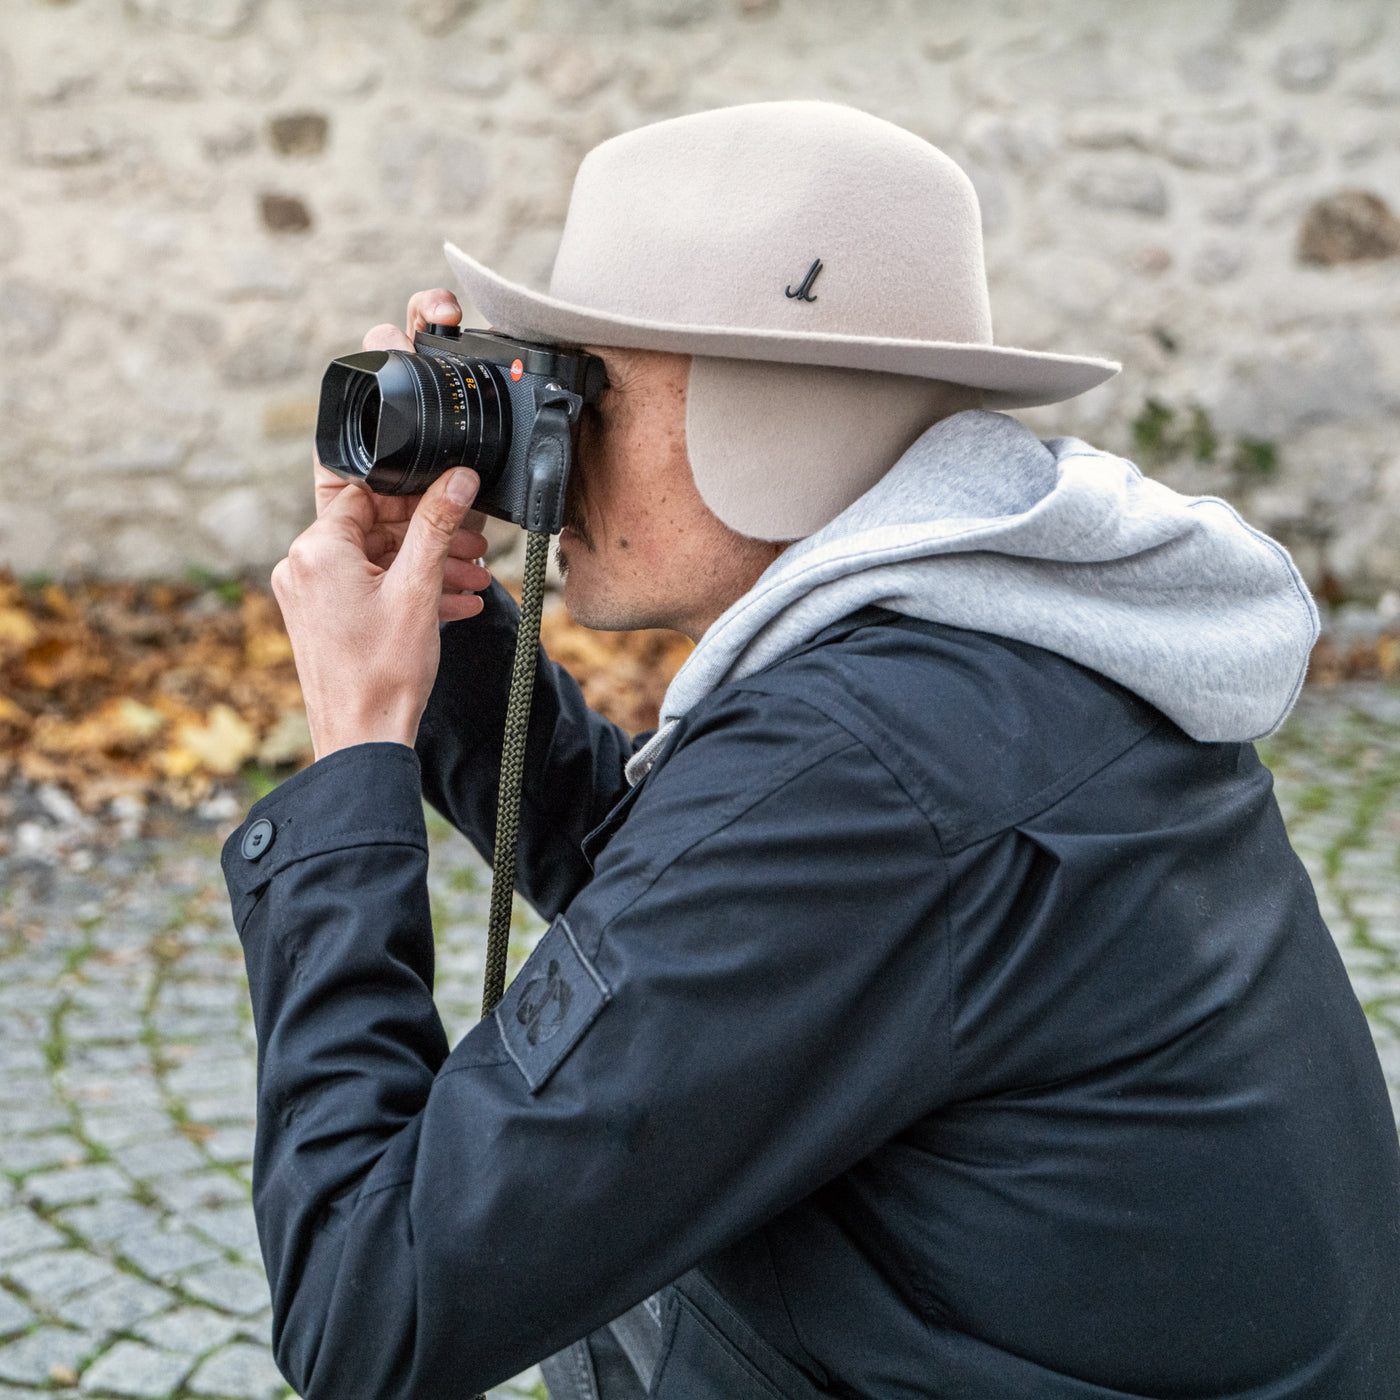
{"x":516,"y":370}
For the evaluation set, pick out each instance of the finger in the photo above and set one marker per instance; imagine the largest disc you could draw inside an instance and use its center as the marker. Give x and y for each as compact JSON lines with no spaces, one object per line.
{"x":434,"y":307}
{"x":465,"y":576}
{"x":328,"y":485}
{"x":453,"y":607}
{"x":458,"y":575}
{"x":386,"y":337}
{"x":387,"y":538}
{"x":424,"y":551}
{"x":349,"y":515}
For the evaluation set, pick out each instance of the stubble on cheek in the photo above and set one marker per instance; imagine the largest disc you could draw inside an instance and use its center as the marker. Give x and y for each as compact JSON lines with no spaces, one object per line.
{"x":575,"y":514}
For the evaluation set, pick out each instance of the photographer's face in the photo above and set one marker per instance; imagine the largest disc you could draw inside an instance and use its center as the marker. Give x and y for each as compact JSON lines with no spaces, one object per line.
{"x":640,"y":548}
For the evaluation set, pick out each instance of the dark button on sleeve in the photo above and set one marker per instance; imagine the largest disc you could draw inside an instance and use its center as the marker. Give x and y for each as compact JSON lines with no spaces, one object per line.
{"x":365,"y":796}
{"x":257,"y":839}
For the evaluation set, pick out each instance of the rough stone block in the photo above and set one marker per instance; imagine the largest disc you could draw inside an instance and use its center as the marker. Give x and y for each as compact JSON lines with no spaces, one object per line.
{"x":131,"y":1125}
{"x":349,"y":67}
{"x":133,"y":1369}
{"x":233,"y":1287}
{"x":160,"y":76}
{"x":222,"y":143}
{"x":436,"y":17}
{"x":61,"y":138}
{"x":283,"y":213}
{"x":159,"y":1157}
{"x":233,"y":1228}
{"x":46,"y":1354}
{"x":114,"y":1305}
{"x":212,"y":1189}
{"x":14,"y":1316}
{"x":53,"y":1276}
{"x":673,"y":13}
{"x":298,"y":133}
{"x":32,"y":1119}
{"x":25,"y":1154}
{"x":1306,"y":67}
{"x":1349,"y":226}
{"x":475,"y":75}
{"x":110,"y":1219}
{"x":1217,"y":262}
{"x":74,"y":1184}
{"x":190,"y":1331}
{"x":1130,"y":185}
{"x":164,"y":1253}
{"x":1098,"y":130}
{"x":290,"y":418}
{"x":1226,"y":149}
{"x":219,"y":19}
{"x":1208,"y":68}
{"x":239,"y":1371}
{"x":232,"y":1144}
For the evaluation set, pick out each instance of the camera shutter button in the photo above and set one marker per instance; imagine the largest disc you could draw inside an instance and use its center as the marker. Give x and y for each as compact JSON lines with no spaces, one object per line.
{"x":451,"y":332}
{"x":257,"y":840}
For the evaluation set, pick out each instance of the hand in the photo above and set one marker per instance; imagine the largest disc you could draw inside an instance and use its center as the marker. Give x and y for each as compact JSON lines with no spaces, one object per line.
{"x":363,"y":630}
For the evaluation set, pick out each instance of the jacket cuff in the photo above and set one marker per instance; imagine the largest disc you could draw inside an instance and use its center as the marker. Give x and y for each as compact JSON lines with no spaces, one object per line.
{"x":367,"y":795}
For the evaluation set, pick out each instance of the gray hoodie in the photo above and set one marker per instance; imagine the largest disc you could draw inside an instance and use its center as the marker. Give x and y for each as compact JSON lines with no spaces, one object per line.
{"x":982,"y":525}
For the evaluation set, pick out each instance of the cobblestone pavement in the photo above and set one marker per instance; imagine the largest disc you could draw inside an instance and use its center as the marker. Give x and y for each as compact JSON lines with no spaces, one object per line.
{"x":128,"y":1258}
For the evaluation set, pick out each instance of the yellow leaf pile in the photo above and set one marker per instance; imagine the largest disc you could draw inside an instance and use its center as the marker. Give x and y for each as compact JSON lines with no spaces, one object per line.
{"x":153,"y":690}
{"x":1375,"y":658}
{"x":161,"y":690}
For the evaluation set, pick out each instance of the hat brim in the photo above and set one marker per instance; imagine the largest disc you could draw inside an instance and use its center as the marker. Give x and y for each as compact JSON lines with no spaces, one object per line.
{"x":1009,"y":378}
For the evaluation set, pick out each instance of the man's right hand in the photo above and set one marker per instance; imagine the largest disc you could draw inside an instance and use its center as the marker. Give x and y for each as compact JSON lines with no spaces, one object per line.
{"x":392,"y":513}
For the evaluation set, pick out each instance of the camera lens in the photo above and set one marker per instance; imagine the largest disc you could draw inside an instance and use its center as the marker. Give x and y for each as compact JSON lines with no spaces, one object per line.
{"x":367,"y":420}
{"x":397,"y":420}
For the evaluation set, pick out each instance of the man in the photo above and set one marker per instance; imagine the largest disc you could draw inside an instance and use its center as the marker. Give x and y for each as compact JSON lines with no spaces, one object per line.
{"x":933,"y":1006}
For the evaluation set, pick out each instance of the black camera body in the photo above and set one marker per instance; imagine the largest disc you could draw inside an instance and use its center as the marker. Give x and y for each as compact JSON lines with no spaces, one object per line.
{"x":509,"y":409}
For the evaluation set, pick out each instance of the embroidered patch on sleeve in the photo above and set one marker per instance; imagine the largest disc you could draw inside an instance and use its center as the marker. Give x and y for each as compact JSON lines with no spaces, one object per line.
{"x":555,"y":997}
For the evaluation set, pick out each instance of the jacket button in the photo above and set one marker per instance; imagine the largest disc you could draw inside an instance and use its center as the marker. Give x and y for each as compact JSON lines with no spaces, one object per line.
{"x":257,"y":840}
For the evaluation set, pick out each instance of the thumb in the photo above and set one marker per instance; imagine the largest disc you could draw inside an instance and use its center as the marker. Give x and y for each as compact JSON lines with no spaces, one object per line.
{"x":423,"y":553}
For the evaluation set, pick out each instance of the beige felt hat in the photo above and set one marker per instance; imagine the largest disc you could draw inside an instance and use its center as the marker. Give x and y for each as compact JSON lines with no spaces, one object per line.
{"x":794,"y":233}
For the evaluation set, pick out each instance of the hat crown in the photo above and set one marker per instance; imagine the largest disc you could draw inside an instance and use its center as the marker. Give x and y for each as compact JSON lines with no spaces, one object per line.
{"x":782,"y":217}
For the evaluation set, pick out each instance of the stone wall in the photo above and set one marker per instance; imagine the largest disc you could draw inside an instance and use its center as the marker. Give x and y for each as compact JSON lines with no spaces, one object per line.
{"x":204,"y":200}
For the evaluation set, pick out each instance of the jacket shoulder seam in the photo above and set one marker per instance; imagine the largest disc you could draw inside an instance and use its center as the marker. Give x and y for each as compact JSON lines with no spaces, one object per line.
{"x":954,"y":837}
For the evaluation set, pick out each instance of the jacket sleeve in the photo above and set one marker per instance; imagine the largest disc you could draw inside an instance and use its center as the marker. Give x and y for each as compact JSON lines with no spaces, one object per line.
{"x":574,"y":757}
{"x":747,"y":999}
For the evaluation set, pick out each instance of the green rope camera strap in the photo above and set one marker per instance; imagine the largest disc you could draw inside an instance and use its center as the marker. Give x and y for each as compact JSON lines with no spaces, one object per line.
{"x":505,"y":856}
{"x":522,"y":687}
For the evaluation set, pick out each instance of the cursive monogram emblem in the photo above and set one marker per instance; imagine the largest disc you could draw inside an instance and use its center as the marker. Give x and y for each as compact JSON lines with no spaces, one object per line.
{"x":545,"y":1005}
{"x":804,"y":292}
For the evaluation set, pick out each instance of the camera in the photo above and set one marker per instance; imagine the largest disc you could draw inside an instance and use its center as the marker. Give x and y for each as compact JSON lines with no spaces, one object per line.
{"x":508,"y":409}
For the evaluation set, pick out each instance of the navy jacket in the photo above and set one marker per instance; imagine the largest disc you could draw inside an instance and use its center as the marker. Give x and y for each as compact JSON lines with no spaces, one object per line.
{"x":972,"y":1029}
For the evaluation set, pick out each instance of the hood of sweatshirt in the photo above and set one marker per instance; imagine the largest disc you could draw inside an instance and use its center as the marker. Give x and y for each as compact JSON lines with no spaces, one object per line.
{"x":982,"y":525}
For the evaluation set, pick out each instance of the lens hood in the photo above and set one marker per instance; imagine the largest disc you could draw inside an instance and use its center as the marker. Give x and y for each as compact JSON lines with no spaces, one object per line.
{"x":397,"y":420}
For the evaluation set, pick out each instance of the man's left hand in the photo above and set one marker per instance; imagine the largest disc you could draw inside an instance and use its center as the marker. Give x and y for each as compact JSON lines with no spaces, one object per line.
{"x":362,"y":598}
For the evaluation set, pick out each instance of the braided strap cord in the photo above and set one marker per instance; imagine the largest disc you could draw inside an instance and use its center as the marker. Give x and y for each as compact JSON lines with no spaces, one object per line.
{"x":522,"y":687}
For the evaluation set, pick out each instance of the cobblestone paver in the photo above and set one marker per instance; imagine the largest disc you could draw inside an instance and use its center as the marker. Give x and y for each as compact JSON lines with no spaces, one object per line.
{"x":129,"y":1264}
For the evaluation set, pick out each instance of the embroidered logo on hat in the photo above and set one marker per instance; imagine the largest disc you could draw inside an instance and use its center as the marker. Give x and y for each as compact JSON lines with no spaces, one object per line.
{"x":803,"y":292}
